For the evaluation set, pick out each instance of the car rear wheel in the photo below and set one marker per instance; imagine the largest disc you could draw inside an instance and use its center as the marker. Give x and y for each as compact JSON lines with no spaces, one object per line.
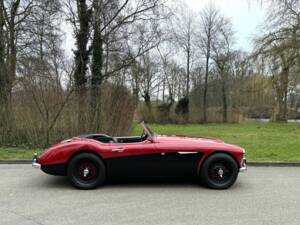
{"x":86,"y":171}
{"x":219,"y":171}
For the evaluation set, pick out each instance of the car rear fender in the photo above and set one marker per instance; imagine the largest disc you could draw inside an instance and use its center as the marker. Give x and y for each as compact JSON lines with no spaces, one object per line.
{"x":84,"y":151}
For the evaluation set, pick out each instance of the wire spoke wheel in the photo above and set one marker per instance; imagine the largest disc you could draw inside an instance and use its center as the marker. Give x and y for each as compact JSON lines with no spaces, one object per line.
{"x":86,"y":171}
{"x":219,"y":171}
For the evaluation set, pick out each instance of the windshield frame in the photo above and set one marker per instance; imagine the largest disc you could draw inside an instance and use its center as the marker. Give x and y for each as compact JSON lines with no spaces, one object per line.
{"x":147,"y":130}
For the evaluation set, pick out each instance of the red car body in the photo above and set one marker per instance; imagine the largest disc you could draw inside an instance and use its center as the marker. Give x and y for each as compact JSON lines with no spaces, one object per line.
{"x":159,"y":156}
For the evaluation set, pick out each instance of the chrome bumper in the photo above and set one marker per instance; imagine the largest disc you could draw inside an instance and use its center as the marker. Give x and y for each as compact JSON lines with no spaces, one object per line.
{"x":35,"y":163}
{"x":243,"y":168}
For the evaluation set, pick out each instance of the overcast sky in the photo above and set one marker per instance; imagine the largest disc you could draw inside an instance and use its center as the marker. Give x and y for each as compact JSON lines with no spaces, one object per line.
{"x":246,"y":16}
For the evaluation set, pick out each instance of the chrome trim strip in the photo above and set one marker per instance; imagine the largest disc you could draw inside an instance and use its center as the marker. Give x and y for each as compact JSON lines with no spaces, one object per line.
{"x":120,"y":149}
{"x":187,"y":152}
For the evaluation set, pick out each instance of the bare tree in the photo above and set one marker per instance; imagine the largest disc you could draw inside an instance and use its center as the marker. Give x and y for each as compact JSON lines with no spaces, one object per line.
{"x":111,"y":47}
{"x":149,"y":79}
{"x":172,"y":77}
{"x":183,"y":28}
{"x":3,"y":75}
{"x":79,"y":15}
{"x":280,"y":48}
{"x":223,"y":55}
{"x":211,"y":20}
{"x":41,"y":63}
{"x":12,"y":16}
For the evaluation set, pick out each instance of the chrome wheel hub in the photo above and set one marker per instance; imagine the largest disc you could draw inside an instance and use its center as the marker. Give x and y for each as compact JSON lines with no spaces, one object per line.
{"x":221,"y":172}
{"x":86,"y":172}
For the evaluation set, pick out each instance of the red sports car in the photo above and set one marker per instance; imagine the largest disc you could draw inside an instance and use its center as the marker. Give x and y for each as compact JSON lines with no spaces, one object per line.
{"x":88,"y":160}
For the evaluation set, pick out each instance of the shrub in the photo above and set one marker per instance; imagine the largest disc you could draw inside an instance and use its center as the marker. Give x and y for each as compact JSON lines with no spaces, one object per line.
{"x":30,"y":127}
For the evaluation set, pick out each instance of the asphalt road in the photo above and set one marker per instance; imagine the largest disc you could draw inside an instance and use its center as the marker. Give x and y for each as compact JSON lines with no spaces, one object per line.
{"x":262,"y":195}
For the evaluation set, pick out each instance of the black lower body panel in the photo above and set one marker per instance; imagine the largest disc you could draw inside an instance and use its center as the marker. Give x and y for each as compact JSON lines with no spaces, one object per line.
{"x":55,"y":169}
{"x":168,"y":165}
{"x":171,"y":165}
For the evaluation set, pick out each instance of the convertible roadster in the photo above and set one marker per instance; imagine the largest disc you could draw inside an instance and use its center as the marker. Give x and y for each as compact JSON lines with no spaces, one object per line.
{"x":88,"y":160}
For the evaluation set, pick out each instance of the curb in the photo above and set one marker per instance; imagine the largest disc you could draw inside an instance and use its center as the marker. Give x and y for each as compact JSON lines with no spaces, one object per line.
{"x":274,"y":164}
{"x":251,"y":164}
{"x":16,"y":161}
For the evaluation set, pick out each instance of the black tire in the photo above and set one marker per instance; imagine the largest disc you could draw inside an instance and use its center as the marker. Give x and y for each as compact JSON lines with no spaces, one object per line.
{"x":219,"y":171}
{"x":86,"y":171}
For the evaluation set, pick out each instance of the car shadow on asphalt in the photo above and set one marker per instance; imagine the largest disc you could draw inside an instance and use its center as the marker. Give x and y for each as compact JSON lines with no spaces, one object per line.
{"x":57,"y":182}
{"x":165,"y":182}
{"x":152,"y":182}
{"x":63,"y":183}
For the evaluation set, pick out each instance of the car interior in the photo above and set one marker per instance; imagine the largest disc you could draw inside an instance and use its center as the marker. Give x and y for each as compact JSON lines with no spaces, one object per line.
{"x":103,"y":138}
{"x":109,"y":139}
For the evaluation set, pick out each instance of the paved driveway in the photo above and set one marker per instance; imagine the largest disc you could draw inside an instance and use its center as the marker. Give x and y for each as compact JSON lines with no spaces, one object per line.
{"x":262,"y":195}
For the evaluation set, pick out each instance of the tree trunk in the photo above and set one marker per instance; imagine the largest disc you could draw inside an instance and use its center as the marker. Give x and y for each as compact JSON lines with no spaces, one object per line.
{"x":163,"y":90}
{"x":283,"y":106}
{"x":188,"y":76}
{"x":8,"y":68}
{"x":282,"y":90}
{"x":136,"y":95}
{"x":225,"y":105}
{"x":3,"y":74}
{"x":12,"y":56}
{"x":80,"y":92}
{"x":205,"y":88}
{"x":97,"y":75}
{"x":147,"y":100}
{"x":81,"y":60}
{"x":285,"y":93}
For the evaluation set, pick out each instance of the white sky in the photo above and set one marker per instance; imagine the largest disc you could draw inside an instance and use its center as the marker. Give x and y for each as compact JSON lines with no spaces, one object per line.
{"x":246,"y":16}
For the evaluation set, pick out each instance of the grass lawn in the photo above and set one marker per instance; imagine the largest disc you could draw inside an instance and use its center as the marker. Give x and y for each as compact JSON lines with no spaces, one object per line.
{"x":262,"y":141}
{"x":17,"y":153}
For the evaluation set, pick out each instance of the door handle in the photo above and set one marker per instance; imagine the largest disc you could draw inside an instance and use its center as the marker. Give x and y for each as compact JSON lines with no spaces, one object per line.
{"x":119,"y":149}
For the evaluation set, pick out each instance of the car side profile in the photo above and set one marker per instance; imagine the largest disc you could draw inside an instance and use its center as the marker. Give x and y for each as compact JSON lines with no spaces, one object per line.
{"x":88,"y":160}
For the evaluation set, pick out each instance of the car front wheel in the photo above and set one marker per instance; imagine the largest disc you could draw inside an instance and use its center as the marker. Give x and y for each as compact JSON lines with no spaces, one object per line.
{"x":219,"y":171}
{"x":86,"y":171}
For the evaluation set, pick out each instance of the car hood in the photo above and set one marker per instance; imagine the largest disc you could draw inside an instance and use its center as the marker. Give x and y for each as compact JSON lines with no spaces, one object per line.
{"x":197,"y":143}
{"x":165,"y":138}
